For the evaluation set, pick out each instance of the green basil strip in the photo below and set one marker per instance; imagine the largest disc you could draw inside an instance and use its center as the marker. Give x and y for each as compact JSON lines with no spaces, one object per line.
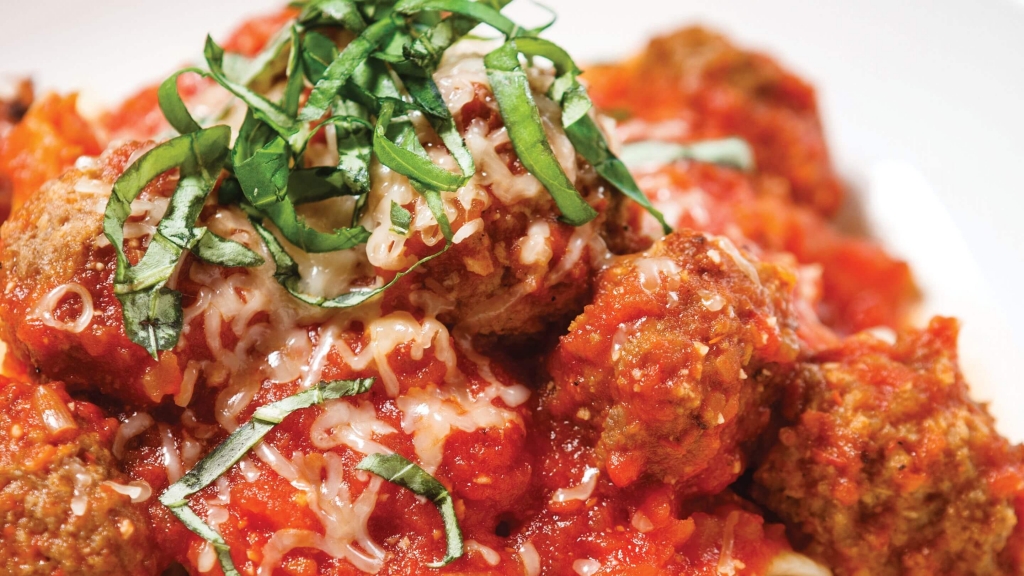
{"x":522,"y":120}
{"x":218,"y":251}
{"x":180,"y":152}
{"x":236,"y":446}
{"x":401,"y":219}
{"x":426,"y":95}
{"x":287,"y":274}
{"x":427,"y":49}
{"x":333,"y":13}
{"x":152,"y":313}
{"x":732,"y":152}
{"x":436,"y":206}
{"x":408,"y":163}
{"x":264,"y":180}
{"x":252,"y":135}
{"x":270,"y":113}
{"x":152,"y":319}
{"x":308,"y":185}
{"x":261,"y":68}
{"x":581,"y":129}
{"x":355,"y":148}
{"x":318,"y":51}
{"x":193,"y":522}
{"x":173,"y":106}
{"x":396,"y":469}
{"x":407,"y":139}
{"x":392,"y":50}
{"x":294,"y":84}
{"x":371,"y":85}
{"x":341,"y":69}
{"x":248,"y":435}
{"x":477,"y":11}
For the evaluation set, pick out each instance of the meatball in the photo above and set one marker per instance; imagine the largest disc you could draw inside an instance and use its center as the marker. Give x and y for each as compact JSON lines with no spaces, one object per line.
{"x":63,"y":506}
{"x":58,"y":309}
{"x":863,"y":286}
{"x":694,"y":84}
{"x":515,"y":268}
{"x":675,"y":359}
{"x":888,"y":467}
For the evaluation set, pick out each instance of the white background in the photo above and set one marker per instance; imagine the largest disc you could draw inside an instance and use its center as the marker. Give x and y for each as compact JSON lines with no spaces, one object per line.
{"x":922,"y":102}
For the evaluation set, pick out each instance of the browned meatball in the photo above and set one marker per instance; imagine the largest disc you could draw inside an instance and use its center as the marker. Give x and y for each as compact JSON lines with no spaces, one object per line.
{"x":695,"y":84}
{"x":889,"y":467}
{"x":516,"y":268}
{"x":58,"y":309}
{"x":674,"y":361}
{"x":60,"y":507}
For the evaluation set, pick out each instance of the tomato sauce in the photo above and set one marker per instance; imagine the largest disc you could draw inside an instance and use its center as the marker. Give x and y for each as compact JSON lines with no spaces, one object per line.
{"x":623,"y":442}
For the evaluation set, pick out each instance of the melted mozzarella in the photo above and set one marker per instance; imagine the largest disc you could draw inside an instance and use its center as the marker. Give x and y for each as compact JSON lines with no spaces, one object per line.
{"x":586,"y":566}
{"x":793,"y":564}
{"x":651,"y":269}
{"x":727,"y":564}
{"x":135,"y":424}
{"x":352,"y":425}
{"x":344,"y":518}
{"x":430,"y":414}
{"x":535,"y":249}
{"x":259,"y":335}
{"x":531,"y":559}
{"x":490,"y":555}
{"x":44,"y":309}
{"x":137,"y":490}
{"x":169,"y":453}
{"x":581,"y":491}
{"x":742,"y":263}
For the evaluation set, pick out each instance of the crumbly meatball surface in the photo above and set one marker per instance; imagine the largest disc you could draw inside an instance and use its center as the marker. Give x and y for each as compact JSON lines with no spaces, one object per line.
{"x":515,"y":267}
{"x":695,"y":84}
{"x":58,"y":311}
{"x":59,"y":511}
{"x":674,"y":360}
{"x":888,"y":467}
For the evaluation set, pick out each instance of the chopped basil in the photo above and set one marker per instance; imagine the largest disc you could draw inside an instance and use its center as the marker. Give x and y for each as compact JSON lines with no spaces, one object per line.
{"x":369,"y":93}
{"x":407,"y":163}
{"x":581,"y":129}
{"x":287,"y":275}
{"x":400,"y":219}
{"x":264,"y":178}
{"x":173,"y":107}
{"x":318,"y":51}
{"x":477,"y":11}
{"x":341,"y":69}
{"x":267,"y":111}
{"x":258,"y":71}
{"x":343,"y":13}
{"x":426,"y":95}
{"x":236,"y":446}
{"x":152,"y":313}
{"x":731,"y":152}
{"x":522,"y":120}
{"x":395,"y":468}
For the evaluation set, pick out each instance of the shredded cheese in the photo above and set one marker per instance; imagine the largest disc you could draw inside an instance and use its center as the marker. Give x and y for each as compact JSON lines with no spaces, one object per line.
{"x":44,"y":309}
{"x":581,"y":491}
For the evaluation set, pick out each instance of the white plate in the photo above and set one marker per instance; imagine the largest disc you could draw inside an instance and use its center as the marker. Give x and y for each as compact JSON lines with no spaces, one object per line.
{"x":921,"y":101}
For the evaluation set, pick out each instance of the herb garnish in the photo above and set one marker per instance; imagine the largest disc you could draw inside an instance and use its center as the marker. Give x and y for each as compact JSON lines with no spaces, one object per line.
{"x":236,"y":446}
{"x":367,"y":91}
{"x":395,"y":468}
{"x":731,"y":152}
